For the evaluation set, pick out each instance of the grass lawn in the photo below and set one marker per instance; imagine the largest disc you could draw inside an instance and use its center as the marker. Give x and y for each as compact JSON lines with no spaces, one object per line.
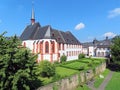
{"x":85,"y":87}
{"x":114,"y":83}
{"x":63,"y":72}
{"x":83,"y":63}
{"x":98,"y":80}
{"x":75,"y":65}
{"x":70,"y":68}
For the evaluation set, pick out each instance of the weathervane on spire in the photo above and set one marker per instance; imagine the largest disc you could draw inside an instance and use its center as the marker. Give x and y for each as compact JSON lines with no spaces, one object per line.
{"x":33,"y":14}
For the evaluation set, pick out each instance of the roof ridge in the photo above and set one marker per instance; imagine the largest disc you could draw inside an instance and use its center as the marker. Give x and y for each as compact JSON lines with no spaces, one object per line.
{"x":45,"y":26}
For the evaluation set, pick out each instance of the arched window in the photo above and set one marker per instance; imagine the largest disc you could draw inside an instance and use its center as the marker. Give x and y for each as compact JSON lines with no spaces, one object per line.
{"x":98,"y":54}
{"x":72,"y":53}
{"x":46,"y":47}
{"x":63,"y":47}
{"x":36,"y":47}
{"x":106,"y":53}
{"x":41,"y":47}
{"x":53,"y":47}
{"x":67,"y":54}
{"x":59,"y":46}
{"x":102,"y":54}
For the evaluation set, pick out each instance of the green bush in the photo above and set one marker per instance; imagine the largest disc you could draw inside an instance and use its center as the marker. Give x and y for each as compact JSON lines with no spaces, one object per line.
{"x":63,"y":58}
{"x":56,"y":77}
{"x":45,"y":69}
{"x":81,"y":68}
{"x":90,"y":64}
{"x":56,"y":63}
{"x":80,"y":56}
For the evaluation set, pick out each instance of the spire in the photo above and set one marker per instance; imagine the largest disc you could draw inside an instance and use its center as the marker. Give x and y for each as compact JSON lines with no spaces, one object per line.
{"x":32,"y":16}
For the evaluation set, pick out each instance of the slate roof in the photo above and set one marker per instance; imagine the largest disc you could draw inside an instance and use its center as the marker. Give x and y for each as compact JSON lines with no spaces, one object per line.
{"x":36,"y":32}
{"x":30,"y":31}
{"x":100,"y":44}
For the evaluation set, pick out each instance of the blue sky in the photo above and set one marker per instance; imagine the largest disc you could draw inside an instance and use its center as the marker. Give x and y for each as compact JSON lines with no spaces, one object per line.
{"x":86,"y":19}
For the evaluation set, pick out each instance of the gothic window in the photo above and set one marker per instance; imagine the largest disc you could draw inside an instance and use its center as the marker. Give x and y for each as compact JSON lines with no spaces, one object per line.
{"x":40,"y":47}
{"x":46,"y":47}
{"x":36,"y":47}
{"x":102,"y":54}
{"x":53,"y":47}
{"x":53,"y":34}
{"x":63,"y":46}
{"x":67,"y":54}
{"x":59,"y":46}
{"x":98,"y":54}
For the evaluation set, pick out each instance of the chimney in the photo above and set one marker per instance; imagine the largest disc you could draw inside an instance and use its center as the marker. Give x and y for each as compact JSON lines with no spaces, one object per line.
{"x":106,"y":37}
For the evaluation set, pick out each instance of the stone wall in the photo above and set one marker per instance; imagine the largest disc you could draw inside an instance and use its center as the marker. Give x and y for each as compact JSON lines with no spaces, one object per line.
{"x":70,"y":83}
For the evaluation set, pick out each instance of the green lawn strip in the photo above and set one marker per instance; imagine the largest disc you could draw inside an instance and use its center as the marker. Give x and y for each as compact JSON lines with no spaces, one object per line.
{"x":89,"y":60}
{"x":85,"y":60}
{"x":63,"y":72}
{"x":114,"y":83}
{"x":84,"y":87}
{"x":86,"y":63}
{"x":99,"y":80}
{"x":74,"y":65}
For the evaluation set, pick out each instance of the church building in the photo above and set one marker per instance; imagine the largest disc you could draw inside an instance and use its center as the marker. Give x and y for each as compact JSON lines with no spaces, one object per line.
{"x":49,"y":43}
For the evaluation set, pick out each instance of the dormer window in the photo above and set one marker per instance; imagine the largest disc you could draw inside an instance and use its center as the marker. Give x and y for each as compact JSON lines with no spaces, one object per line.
{"x":53,"y":34}
{"x":59,"y":38}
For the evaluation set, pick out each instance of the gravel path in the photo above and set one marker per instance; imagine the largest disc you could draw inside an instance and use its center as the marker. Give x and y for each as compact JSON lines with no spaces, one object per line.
{"x":104,"y":83}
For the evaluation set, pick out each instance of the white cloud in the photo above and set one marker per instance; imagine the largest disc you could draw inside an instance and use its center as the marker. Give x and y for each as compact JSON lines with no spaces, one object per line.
{"x":80,"y":26}
{"x":109,"y":34}
{"x":113,"y":13}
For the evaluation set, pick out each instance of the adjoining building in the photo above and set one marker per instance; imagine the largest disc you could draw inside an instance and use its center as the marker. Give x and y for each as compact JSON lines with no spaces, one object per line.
{"x":97,"y":48}
{"x":49,"y":43}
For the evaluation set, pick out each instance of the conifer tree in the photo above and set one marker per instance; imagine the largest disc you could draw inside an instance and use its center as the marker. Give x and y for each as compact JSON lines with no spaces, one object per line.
{"x":16,"y":65}
{"x":115,"y":49}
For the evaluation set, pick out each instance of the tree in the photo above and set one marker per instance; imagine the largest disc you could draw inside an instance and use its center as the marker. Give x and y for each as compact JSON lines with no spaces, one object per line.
{"x":80,"y":56}
{"x":16,"y":65}
{"x":45,"y":69}
{"x":115,"y":49}
{"x":63,"y":58}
